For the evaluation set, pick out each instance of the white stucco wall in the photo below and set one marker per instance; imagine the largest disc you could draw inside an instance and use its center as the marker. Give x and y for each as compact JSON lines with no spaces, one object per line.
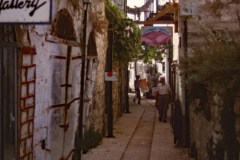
{"x":51,"y":74}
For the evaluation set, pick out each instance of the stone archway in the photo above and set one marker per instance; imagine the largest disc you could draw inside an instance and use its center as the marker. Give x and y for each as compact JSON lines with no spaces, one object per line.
{"x":92,"y":46}
{"x":91,"y":68}
{"x":63,"y":26}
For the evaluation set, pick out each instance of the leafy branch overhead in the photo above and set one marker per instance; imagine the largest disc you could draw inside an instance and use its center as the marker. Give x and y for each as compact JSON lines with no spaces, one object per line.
{"x":152,"y":52}
{"x":125,"y":48}
{"x":129,"y":47}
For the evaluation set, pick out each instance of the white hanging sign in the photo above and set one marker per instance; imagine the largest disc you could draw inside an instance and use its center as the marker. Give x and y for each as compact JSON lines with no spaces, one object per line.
{"x":25,"y":11}
{"x":110,"y":76}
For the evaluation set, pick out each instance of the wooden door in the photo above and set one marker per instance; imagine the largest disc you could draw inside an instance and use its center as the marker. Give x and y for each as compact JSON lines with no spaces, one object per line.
{"x":9,"y":83}
{"x":9,"y":102}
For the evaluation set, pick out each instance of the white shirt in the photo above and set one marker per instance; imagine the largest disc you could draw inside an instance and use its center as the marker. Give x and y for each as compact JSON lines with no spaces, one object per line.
{"x":164,"y":88}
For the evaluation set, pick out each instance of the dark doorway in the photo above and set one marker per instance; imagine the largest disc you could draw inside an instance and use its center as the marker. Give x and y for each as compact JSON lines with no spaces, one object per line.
{"x":9,"y":83}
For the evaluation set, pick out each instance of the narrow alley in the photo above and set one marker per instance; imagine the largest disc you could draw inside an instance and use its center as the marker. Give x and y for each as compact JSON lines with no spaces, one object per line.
{"x":139,"y":135}
{"x":69,"y":70}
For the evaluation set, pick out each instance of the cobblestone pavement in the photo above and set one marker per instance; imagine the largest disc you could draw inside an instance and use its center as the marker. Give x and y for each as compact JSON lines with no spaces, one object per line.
{"x":132,"y":142}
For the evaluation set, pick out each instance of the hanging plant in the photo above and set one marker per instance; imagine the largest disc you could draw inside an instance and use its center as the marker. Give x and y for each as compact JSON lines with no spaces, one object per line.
{"x":216,"y":65}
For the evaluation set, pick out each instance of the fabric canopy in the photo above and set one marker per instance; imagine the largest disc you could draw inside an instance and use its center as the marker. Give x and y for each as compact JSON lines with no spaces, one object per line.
{"x":155,"y":36}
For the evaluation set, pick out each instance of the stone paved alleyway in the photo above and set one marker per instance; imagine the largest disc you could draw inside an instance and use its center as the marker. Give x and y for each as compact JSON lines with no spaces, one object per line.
{"x":139,"y":136}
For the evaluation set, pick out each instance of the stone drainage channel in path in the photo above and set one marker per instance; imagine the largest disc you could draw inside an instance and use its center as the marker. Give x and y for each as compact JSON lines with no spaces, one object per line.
{"x":139,"y":136}
{"x":140,"y":143}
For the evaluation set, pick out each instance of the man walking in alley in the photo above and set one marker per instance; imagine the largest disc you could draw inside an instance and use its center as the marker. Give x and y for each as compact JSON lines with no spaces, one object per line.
{"x":164,"y":92}
{"x":137,"y":89}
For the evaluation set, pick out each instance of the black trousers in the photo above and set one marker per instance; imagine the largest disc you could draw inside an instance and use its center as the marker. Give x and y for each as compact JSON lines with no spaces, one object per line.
{"x":162,"y":106}
{"x":138,"y":95}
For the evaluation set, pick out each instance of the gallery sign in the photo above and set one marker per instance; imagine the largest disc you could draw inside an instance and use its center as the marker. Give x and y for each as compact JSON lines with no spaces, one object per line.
{"x":25,"y":11}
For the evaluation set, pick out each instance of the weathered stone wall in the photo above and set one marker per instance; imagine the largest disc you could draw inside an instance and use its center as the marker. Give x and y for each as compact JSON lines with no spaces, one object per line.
{"x":202,"y":129}
{"x":208,"y":16}
{"x":206,"y":129}
{"x":99,"y":25}
{"x":115,"y":93}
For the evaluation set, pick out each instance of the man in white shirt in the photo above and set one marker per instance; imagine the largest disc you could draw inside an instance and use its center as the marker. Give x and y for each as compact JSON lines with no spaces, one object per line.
{"x":164,"y":92}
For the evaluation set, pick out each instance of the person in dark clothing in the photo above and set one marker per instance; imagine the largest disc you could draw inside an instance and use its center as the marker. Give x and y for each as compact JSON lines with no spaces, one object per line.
{"x":164,"y":92}
{"x":137,"y":90}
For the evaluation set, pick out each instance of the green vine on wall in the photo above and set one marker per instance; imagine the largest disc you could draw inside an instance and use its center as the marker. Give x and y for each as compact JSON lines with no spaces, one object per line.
{"x":215,"y":65}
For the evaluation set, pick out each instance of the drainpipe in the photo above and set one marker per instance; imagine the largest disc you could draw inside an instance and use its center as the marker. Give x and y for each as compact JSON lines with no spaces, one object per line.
{"x":82,"y":87}
{"x":185,"y":123}
{"x":125,"y":6}
{"x":126,"y":89}
{"x":170,"y":59}
{"x":108,"y":84}
{"x":167,"y":72}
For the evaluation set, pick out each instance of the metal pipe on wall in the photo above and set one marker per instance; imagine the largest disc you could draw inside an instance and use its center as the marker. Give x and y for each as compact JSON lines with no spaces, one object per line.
{"x":126,"y":89}
{"x":185,"y":124}
{"x":108,"y":84}
{"x":78,"y":152}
